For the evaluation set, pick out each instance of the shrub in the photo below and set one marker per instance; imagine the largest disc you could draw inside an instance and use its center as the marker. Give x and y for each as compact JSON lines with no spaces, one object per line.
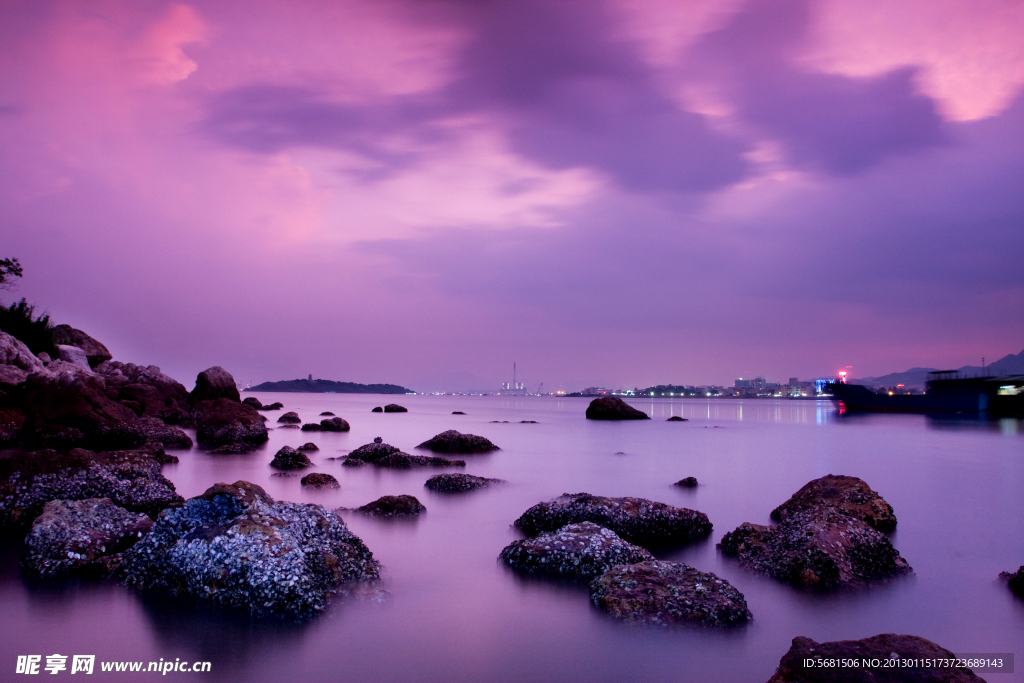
{"x":36,"y":333}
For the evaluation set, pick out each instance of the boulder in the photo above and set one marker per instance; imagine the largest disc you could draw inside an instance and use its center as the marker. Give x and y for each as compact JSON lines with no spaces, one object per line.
{"x":318,"y":480}
{"x":94,"y":351}
{"x":676,"y":418}
{"x":290,"y":418}
{"x":154,"y":429}
{"x":381,"y":454}
{"x":883,"y":647}
{"x":452,"y":441}
{"x":668,"y":594}
{"x":334,"y":424}
{"x":394,"y":506}
{"x":155,"y":450}
{"x":636,"y":520}
{"x":613,"y":408}
{"x":1015,"y":581}
{"x":223,"y":421}
{"x":147,"y":390}
{"x":327,"y":412}
{"x":312,"y":427}
{"x":252,"y":401}
{"x":308,"y":446}
{"x":290,"y":459}
{"x":235,"y":547}
{"x":459,"y":483}
{"x":73,"y":355}
{"x":583,"y":550}
{"x":849,"y":495}
{"x":378,"y":409}
{"x":236,"y":448}
{"x":687,"y":482}
{"x":131,"y":479}
{"x":212,"y":384}
{"x":395,"y":408}
{"x":819,"y":548}
{"x":81,"y":537}
{"x":276,"y":405}
{"x":14,"y":353}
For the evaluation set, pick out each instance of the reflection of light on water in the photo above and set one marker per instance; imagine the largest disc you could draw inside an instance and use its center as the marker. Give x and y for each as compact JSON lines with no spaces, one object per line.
{"x":1009,"y":426}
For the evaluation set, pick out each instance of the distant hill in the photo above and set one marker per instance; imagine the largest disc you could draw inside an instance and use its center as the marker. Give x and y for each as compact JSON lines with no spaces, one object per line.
{"x":326,"y":386}
{"x":1012,"y":364}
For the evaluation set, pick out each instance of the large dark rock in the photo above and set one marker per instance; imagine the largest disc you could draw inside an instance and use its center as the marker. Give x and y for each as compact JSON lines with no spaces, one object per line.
{"x":290,"y":459}
{"x":212,"y":384}
{"x":821,"y":549}
{"x":583,"y":550}
{"x":385,"y":455}
{"x":334,"y":424}
{"x":1015,"y":581}
{"x":676,"y":418}
{"x":131,"y":479}
{"x":319,"y":480}
{"x":252,"y":401}
{"x":668,"y":594}
{"x":223,"y":421}
{"x":687,"y":482}
{"x":613,"y":408}
{"x":459,"y":483}
{"x":312,"y":427}
{"x":637,"y":520}
{"x":95,"y":352}
{"x":15,"y":355}
{"x":154,"y":429}
{"x":276,"y":405}
{"x":378,"y":409}
{"x":290,"y":417}
{"x":235,"y":547}
{"x":395,"y":408}
{"x":146,"y":390}
{"x":81,"y":537}
{"x":452,"y":441}
{"x":394,"y":506}
{"x":884,"y":647}
{"x":849,"y":495}
{"x":308,"y":446}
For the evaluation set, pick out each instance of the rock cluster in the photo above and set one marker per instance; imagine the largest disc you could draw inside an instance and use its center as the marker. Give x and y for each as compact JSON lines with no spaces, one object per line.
{"x":667,"y":594}
{"x":236,"y":547}
{"x":290,"y":459}
{"x":385,"y":455}
{"x":319,"y":480}
{"x":223,"y":421}
{"x":459,"y":483}
{"x":395,"y":408}
{"x":583,"y":550}
{"x":883,"y":647}
{"x":637,"y":520}
{"x":81,"y":537}
{"x":452,"y":441}
{"x":613,"y":408}
{"x":94,"y":351}
{"x":394,"y":506}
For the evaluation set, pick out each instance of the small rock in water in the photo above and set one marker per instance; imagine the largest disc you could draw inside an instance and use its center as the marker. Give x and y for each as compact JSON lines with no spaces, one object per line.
{"x":289,"y":427}
{"x":849,"y":495}
{"x":620,"y":452}
{"x":290,"y":418}
{"x":457,"y":412}
{"x":377,"y":439}
{"x":252,"y":401}
{"x":308,"y":446}
{"x":688,"y":483}
{"x":676,"y":418}
{"x":395,"y":408}
{"x":312,"y":427}
{"x":613,"y":408}
{"x":381,"y":454}
{"x":327,"y":412}
{"x":290,"y":459}
{"x":527,"y":422}
{"x":583,"y":550}
{"x":378,"y":409}
{"x":394,"y":506}
{"x":284,"y":474}
{"x":452,"y":441}
{"x":333,"y":424}
{"x":459,"y":483}
{"x":276,"y":405}
{"x":318,"y":480}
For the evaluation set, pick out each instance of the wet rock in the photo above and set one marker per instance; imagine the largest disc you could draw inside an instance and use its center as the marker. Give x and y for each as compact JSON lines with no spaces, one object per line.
{"x":457,"y":412}
{"x":527,"y":422}
{"x":1015,"y":581}
{"x":290,"y":418}
{"x":131,"y":479}
{"x":155,"y":450}
{"x":333,"y":424}
{"x":378,"y":409}
{"x":312,"y":427}
{"x":223,"y":421}
{"x":636,"y":520}
{"x":395,"y":408}
{"x":849,"y":495}
{"x":582,"y":550}
{"x":252,"y":401}
{"x":381,"y":454}
{"x":687,"y":482}
{"x":94,"y":351}
{"x":452,"y":441}
{"x":276,"y":405}
{"x":147,"y":390}
{"x":613,"y":408}
{"x":81,"y":537}
{"x":308,"y":446}
{"x":326,"y":412}
{"x":290,"y":459}
{"x":73,"y":355}
{"x":236,"y":448}
{"x":212,"y":384}
{"x":676,"y":418}
{"x":394,"y":506}
{"x":15,"y":354}
{"x":318,"y":480}
{"x":668,"y":594}
{"x":154,"y":429}
{"x":235,"y":547}
{"x":882,"y":647}
{"x":458,"y":483}
{"x":821,"y":549}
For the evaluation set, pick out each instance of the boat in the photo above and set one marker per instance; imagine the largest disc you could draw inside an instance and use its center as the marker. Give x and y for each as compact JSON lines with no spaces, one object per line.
{"x":945,"y":392}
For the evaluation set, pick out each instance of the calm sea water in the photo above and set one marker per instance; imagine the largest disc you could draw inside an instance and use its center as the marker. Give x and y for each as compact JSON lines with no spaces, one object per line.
{"x":456,"y":614}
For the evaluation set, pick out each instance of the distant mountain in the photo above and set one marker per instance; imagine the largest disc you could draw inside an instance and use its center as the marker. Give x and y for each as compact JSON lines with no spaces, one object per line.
{"x":1012,"y":364}
{"x":326,"y":386}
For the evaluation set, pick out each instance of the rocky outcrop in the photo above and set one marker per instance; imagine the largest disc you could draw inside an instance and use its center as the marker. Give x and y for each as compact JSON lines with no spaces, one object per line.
{"x":328,"y":413}
{"x":613,"y":408}
{"x":290,"y":417}
{"x":637,"y":520}
{"x":131,"y":479}
{"x":883,"y":647}
{"x":319,"y":480}
{"x":394,"y":506}
{"x":459,"y":483}
{"x":147,"y":391}
{"x":1015,"y":581}
{"x":276,"y":405}
{"x":15,"y":354}
{"x":154,"y":429}
{"x":308,"y":446}
{"x":223,"y":421}
{"x":81,"y":537}
{"x":381,"y":454}
{"x":583,"y":550}
{"x":687,"y":482}
{"x":212,"y":384}
{"x":848,"y":495}
{"x":235,"y":547}
{"x":290,"y":459}
{"x":74,"y":356}
{"x":668,"y":594}
{"x":452,"y":441}
{"x":334,"y":424}
{"x":395,"y":408}
{"x":94,"y":351}
{"x":252,"y":401}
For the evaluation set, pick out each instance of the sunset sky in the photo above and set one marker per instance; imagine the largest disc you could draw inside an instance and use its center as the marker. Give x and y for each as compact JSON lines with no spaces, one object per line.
{"x":619,"y":193}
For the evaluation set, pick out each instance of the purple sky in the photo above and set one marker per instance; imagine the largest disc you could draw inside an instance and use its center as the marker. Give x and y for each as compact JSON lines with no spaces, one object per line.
{"x":619,"y":193}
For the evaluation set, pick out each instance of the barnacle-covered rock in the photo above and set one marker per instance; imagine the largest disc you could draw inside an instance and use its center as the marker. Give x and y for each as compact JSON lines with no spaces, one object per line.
{"x":452,"y":441}
{"x":581,"y":550}
{"x":459,"y":483}
{"x":381,"y":454}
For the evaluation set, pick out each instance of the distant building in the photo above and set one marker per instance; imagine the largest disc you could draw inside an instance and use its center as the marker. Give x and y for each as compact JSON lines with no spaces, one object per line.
{"x":513,"y":388}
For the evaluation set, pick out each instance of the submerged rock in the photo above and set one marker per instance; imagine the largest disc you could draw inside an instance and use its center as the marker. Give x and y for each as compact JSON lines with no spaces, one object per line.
{"x":458,"y":483}
{"x":395,"y":408}
{"x":276,"y":405}
{"x":235,"y":547}
{"x":667,"y":594}
{"x":290,"y":459}
{"x":848,"y":495}
{"x":452,"y":441}
{"x":319,"y":480}
{"x":223,"y":421}
{"x":582,"y":550}
{"x":308,"y":446}
{"x":290,"y":418}
{"x":333,"y":424}
{"x":212,"y":384}
{"x":326,"y":412}
{"x":687,"y":482}
{"x":613,"y":408}
{"x":637,"y":520}
{"x":236,"y":448}
{"x":457,"y":412}
{"x":394,"y":506}
{"x":883,"y":647}
{"x":385,"y":455}
{"x":378,"y":409}
{"x":81,"y":537}
{"x":1015,"y":581}
{"x":677,"y":418}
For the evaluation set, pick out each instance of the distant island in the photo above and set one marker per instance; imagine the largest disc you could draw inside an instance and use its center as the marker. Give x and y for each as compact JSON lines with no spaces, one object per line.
{"x":326,"y":386}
